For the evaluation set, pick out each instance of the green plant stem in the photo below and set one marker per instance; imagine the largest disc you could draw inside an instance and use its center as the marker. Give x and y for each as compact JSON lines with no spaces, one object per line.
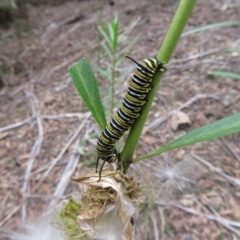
{"x":100,"y":14}
{"x":113,"y":82}
{"x":174,"y":33}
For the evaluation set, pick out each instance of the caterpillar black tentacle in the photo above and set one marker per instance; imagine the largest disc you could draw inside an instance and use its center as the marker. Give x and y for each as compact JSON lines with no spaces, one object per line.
{"x":129,"y":111}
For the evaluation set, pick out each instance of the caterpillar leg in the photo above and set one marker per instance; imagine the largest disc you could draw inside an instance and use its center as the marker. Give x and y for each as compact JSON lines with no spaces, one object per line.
{"x":100,"y":171}
{"x":97,"y":164}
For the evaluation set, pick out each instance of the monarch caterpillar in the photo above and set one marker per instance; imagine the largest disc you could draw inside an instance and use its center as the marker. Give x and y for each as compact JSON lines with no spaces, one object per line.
{"x":129,"y":110}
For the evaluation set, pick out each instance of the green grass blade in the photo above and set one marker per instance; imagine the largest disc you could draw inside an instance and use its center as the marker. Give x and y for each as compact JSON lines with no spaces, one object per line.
{"x":226,"y":74}
{"x":211,"y":26}
{"x":216,"y":129}
{"x":87,"y":87}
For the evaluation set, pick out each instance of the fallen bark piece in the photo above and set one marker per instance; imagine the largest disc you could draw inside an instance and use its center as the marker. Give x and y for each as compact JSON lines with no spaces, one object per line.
{"x":180,"y":120}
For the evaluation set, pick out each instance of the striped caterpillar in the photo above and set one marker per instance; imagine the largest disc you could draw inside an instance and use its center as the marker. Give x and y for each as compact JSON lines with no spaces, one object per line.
{"x":129,"y":111}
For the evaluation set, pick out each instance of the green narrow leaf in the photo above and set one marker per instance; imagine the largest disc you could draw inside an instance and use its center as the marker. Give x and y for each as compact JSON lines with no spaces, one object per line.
{"x":106,"y":73}
{"x":115,"y":32}
{"x":226,"y":74}
{"x":107,"y":50}
{"x":104,"y":34}
{"x":115,"y":20}
{"x":87,"y":87}
{"x":211,"y":26}
{"x":111,"y":33}
{"x":119,"y":61}
{"x":216,"y":129}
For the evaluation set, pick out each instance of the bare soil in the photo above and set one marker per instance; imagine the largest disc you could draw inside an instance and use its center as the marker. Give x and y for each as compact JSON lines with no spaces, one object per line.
{"x":35,"y":89}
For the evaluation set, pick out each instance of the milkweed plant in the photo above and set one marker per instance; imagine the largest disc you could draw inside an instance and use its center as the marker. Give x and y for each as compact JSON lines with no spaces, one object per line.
{"x":110,"y":203}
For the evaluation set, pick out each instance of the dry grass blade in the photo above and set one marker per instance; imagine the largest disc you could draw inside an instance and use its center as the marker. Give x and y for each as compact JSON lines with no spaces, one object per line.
{"x":65,"y":115}
{"x":219,"y":171}
{"x":155,"y":227}
{"x":10,"y":215}
{"x":35,"y":150}
{"x":16,"y":125}
{"x":36,"y":56}
{"x":226,"y":223}
{"x":52,"y":117}
{"x":203,"y":54}
{"x":164,"y":118}
{"x":63,"y":151}
{"x":232,"y":151}
{"x":65,"y":178}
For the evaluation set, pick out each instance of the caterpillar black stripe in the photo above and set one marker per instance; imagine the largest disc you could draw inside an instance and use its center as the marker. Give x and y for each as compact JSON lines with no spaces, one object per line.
{"x":129,"y":111}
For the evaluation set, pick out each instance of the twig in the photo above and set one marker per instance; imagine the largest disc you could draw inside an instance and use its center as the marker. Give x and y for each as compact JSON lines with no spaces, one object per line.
{"x":203,"y":54}
{"x":164,"y":118}
{"x":46,"y":73}
{"x":65,"y":115}
{"x":155,"y":227}
{"x":219,"y":171}
{"x":45,"y":39}
{"x":23,"y":86}
{"x":46,"y":166}
{"x":64,"y":84}
{"x":204,"y":200}
{"x":52,"y":117}
{"x":180,"y":67}
{"x":16,"y":125}
{"x":65,"y":178}
{"x":45,"y":197}
{"x":233,"y":152}
{"x":199,"y":55}
{"x":35,"y":151}
{"x":163,"y":221}
{"x":9,"y":215}
{"x":226,"y":223}
{"x":4,"y":201}
{"x":62,"y":151}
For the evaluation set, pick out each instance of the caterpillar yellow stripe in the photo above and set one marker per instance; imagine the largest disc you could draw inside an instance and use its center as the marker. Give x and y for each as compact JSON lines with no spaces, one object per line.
{"x":129,"y":111}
